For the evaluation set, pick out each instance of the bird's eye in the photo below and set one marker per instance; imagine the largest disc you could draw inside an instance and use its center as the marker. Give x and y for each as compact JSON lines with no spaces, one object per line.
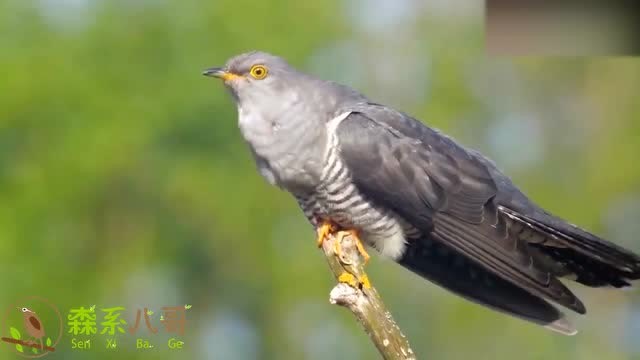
{"x":24,"y":309}
{"x":258,"y":72}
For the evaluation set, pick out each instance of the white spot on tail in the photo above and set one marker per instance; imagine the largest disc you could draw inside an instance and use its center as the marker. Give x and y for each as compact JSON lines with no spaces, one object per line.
{"x":563,"y":326}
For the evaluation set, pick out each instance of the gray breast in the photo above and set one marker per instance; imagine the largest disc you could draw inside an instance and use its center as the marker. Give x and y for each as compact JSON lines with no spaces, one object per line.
{"x":284,"y":148}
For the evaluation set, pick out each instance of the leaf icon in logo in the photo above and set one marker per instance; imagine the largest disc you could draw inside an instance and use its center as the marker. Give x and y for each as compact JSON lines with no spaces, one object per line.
{"x":187,"y":306}
{"x":15,"y":333}
{"x":149,"y":312}
{"x":49,"y":341}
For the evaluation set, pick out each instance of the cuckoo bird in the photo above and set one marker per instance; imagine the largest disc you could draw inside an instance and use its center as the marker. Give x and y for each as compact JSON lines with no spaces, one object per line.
{"x":415,"y":195}
{"x":33,"y":325}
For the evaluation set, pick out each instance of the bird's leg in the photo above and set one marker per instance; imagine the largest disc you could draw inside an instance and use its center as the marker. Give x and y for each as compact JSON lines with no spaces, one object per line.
{"x":328,"y":228}
{"x":345,"y":277}
{"x":325,"y":229}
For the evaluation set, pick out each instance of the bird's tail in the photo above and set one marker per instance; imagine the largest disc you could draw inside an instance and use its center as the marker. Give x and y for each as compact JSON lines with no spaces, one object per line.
{"x":439,"y":264}
{"x":585,"y":258}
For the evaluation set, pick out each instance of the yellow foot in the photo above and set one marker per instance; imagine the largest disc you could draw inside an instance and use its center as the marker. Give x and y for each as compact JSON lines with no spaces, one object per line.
{"x":324,"y":230}
{"x":354,"y":282}
{"x":338,"y":247}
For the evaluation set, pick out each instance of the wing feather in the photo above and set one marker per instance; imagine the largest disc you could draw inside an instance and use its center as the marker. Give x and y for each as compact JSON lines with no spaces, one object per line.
{"x":34,"y":322}
{"x":441,"y":189}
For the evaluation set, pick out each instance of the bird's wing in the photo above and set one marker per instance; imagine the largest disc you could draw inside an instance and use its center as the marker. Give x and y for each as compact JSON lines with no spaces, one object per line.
{"x":34,"y":322}
{"x":441,"y":189}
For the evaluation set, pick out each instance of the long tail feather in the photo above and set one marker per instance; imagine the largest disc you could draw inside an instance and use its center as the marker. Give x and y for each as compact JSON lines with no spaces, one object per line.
{"x":439,"y":264}
{"x":592,"y":261}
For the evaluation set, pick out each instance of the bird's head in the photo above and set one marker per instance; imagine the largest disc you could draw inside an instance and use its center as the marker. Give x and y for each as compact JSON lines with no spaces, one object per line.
{"x":256,"y":75}
{"x":266,"y":83}
{"x":26,"y":310}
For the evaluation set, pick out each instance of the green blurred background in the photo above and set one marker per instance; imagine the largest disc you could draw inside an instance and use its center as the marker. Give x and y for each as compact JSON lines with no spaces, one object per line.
{"x":124,"y":180}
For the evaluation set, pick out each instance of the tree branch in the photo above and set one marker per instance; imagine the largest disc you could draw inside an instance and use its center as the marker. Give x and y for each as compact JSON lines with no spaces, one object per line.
{"x":355,"y":293}
{"x":26,"y":343}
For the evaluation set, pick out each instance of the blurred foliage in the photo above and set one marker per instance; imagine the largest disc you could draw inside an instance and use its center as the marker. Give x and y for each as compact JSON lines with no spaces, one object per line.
{"x":124,"y":180}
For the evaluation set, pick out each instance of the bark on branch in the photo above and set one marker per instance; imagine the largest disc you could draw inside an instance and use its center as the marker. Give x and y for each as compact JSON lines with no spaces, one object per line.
{"x":363,"y":300}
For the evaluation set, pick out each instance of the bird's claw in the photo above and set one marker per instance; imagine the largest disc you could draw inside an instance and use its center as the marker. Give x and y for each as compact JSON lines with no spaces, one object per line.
{"x":324,"y":230}
{"x":337,"y":247}
{"x":355,"y":282}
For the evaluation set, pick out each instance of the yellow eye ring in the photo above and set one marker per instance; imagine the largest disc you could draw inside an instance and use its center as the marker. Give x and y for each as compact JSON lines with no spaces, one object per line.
{"x":258,"y":72}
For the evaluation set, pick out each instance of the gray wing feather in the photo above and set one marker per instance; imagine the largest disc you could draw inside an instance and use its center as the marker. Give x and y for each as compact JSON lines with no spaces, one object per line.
{"x":441,"y":189}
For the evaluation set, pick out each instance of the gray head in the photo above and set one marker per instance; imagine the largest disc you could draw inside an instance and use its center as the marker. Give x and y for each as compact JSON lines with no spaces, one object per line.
{"x":257,"y":78}
{"x":255,"y":74}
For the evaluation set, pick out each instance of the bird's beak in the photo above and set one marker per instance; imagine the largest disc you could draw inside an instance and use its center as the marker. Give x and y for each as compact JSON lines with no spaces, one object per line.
{"x":220,"y":73}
